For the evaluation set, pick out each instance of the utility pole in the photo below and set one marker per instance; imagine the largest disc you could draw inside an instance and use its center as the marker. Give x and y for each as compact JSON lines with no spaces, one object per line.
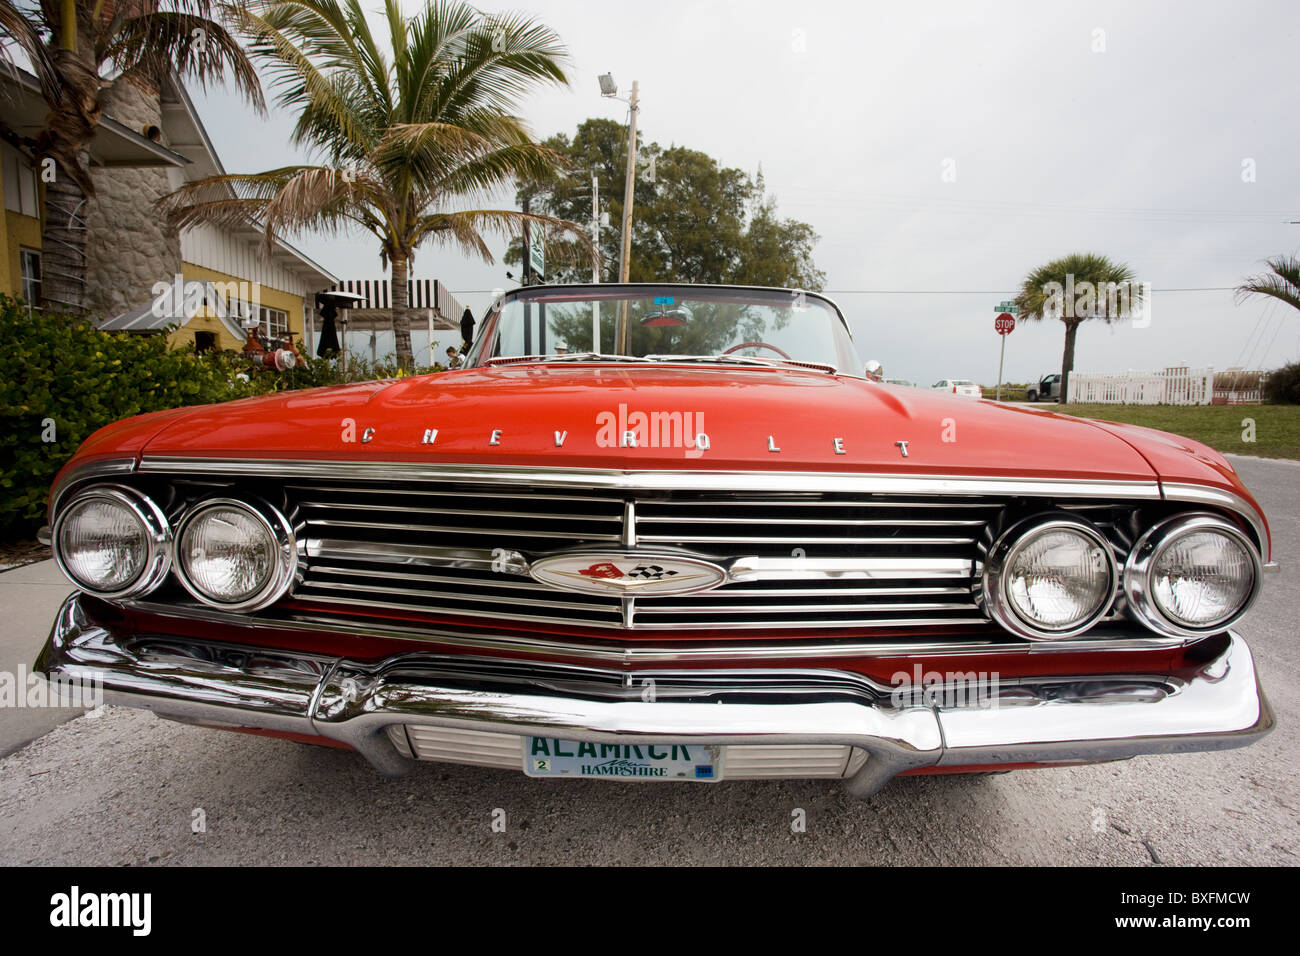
{"x":528,"y":279}
{"x":595,"y":226}
{"x":595,"y":262}
{"x":625,"y":251}
{"x":625,"y":254}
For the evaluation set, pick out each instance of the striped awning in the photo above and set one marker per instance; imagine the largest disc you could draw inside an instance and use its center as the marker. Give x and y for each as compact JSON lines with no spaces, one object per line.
{"x":422,"y":294}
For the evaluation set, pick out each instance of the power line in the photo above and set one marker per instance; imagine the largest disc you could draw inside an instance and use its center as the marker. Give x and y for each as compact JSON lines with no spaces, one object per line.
{"x":1012,"y":292}
{"x":1225,"y":288}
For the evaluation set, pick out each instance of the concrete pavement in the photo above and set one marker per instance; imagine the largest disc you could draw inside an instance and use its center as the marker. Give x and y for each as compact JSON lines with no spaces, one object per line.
{"x":29,"y":597}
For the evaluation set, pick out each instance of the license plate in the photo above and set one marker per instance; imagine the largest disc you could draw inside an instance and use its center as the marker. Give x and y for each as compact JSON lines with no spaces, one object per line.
{"x":549,"y":757}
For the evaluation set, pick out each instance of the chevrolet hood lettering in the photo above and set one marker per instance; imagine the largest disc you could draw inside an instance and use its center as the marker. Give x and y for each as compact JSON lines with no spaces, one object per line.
{"x":627,"y":572}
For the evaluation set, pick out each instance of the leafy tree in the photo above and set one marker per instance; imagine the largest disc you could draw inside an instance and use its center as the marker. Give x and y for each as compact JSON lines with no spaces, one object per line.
{"x":407,"y":129}
{"x":72,"y":45}
{"x":1074,"y":289}
{"x":694,"y":221}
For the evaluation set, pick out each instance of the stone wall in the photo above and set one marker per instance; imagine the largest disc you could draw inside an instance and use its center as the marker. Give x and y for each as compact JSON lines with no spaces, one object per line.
{"x":130,"y":246}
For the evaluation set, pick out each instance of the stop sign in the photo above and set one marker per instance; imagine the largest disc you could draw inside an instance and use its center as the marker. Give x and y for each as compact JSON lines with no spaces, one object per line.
{"x":1004,"y":323}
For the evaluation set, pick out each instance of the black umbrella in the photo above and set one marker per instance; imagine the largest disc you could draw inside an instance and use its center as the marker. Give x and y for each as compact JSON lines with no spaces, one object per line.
{"x":467,"y":329}
{"x":327,"y":343}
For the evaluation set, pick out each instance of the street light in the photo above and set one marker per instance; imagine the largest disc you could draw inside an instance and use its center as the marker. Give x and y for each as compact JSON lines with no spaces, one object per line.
{"x":609,"y":88}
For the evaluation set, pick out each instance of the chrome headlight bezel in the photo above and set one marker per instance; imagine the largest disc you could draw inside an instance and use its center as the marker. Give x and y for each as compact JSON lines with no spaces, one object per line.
{"x":1143,"y":557}
{"x":158,"y":538}
{"x":1009,"y":545}
{"x":280,"y":532}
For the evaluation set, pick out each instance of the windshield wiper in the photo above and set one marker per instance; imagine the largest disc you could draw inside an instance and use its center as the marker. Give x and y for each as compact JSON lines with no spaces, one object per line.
{"x":566,"y":357}
{"x":744,"y":360}
{"x":593,"y":357}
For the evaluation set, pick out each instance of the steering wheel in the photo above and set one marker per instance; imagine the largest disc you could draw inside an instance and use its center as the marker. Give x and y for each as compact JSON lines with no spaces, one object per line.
{"x":757,"y":345}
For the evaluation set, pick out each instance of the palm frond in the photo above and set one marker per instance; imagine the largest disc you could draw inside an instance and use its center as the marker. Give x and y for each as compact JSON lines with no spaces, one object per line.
{"x":197,"y":47}
{"x":1281,"y":282}
{"x":17,"y":28}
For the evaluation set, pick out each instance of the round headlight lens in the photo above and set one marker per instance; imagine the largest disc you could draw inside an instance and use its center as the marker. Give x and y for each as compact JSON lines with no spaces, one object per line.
{"x":233,"y":556}
{"x":1049,"y":578}
{"x":103,"y":543}
{"x":1058,"y":578}
{"x":112,"y":542}
{"x":1202,"y":579}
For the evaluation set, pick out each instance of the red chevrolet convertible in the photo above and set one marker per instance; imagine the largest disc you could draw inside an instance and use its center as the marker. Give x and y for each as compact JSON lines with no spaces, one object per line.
{"x":664,"y":532}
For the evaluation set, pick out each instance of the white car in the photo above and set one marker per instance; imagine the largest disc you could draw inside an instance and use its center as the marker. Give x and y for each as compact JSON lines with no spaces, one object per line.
{"x":958,"y":386}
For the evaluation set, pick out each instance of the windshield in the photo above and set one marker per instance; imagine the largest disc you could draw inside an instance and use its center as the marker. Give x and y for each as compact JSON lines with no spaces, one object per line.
{"x":669,"y":323}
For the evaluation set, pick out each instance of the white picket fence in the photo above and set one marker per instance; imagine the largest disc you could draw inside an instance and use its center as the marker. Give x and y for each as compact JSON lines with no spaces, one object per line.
{"x":1178,"y":385}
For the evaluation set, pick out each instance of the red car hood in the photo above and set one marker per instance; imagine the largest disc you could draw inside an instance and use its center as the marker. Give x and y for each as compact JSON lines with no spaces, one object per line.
{"x":577,"y":416}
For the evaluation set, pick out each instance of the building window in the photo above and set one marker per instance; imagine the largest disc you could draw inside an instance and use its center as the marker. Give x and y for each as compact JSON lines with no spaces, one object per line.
{"x":275,"y":322}
{"x":205,"y":341}
{"x":19,"y":184}
{"x":29,"y":261}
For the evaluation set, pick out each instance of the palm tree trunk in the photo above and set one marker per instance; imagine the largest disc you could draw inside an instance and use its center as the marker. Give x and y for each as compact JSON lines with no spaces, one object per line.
{"x":66,"y":139}
{"x":63,"y":245}
{"x":1067,"y":360}
{"x":401,"y":312}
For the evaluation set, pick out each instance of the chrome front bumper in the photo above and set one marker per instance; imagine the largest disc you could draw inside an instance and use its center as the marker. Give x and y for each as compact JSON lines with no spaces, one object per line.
{"x":384,"y":710}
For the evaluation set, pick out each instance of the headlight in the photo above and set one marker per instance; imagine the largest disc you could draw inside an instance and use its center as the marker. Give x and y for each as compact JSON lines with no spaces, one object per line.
{"x":1049,"y":578}
{"x":112,"y":541}
{"x":235,"y":555}
{"x":1191,"y":574}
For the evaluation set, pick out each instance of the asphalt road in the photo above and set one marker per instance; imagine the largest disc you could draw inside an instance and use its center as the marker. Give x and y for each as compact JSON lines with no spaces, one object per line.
{"x":126,"y":788}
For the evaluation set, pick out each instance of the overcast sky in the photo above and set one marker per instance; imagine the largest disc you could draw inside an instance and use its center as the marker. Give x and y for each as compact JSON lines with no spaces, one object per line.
{"x":1160,"y":134}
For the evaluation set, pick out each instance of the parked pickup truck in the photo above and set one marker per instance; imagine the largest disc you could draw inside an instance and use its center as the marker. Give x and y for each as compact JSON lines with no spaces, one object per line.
{"x":1048,"y":388}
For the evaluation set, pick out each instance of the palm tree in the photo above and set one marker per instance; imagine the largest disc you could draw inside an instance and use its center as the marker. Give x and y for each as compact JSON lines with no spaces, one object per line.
{"x":1281,"y":282}
{"x":71,"y":45}
{"x":404,"y":129}
{"x":1076,"y":288}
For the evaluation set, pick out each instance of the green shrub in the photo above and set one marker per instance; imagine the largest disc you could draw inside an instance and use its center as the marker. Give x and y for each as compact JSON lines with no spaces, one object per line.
{"x":1282,"y":386}
{"x":61,"y":379}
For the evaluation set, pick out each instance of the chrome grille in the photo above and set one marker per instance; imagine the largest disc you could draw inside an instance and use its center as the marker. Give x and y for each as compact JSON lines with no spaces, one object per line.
{"x":411,"y":549}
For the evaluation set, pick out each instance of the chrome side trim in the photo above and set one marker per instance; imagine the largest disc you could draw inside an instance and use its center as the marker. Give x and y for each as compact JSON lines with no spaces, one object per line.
{"x":419,"y":555}
{"x":758,"y":569}
{"x":683,"y":480}
{"x":103,"y":468}
{"x":1108,"y":637}
{"x":1228,"y":500}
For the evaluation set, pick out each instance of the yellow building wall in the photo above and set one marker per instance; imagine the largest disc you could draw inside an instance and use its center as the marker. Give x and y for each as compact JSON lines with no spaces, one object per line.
{"x":207,"y":321}
{"x":20,"y":232}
